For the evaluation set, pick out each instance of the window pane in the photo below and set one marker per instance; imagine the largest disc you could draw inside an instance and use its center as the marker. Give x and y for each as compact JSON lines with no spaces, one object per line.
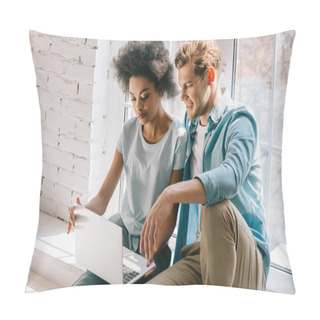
{"x":254,"y":79}
{"x":175,"y":106}
{"x":284,"y":48}
{"x":276,"y":218}
{"x":265,"y":160}
{"x":261,"y":80}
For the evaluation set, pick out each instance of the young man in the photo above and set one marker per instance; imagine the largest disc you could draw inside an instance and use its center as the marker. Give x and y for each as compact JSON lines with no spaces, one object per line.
{"x":222,"y":236}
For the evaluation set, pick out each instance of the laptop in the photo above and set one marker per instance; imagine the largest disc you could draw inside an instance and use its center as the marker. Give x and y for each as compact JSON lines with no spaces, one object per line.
{"x":98,"y":247}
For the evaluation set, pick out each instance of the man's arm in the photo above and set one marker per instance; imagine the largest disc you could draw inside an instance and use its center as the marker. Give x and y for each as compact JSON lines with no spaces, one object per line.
{"x":209,"y":187}
{"x":191,"y":191}
{"x":225,"y":180}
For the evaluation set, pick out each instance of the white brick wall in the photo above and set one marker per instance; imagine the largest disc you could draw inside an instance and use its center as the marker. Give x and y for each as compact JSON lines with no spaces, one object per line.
{"x":81,"y":118}
{"x":108,"y":107}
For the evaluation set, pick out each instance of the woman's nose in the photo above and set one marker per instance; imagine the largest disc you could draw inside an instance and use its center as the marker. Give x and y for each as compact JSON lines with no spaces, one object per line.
{"x":139,"y":105}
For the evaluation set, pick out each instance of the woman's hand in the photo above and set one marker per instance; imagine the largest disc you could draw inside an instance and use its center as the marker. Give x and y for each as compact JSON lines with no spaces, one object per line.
{"x":71,"y":222}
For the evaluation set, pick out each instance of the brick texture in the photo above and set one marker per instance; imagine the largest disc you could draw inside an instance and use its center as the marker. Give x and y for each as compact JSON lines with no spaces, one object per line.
{"x":81,"y":109}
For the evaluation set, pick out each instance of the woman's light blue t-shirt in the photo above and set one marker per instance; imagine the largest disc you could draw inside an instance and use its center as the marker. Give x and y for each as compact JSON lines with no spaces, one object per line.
{"x":148,"y":169}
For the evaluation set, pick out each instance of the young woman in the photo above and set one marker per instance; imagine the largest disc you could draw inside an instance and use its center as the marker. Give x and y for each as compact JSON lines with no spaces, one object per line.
{"x":151,"y":149}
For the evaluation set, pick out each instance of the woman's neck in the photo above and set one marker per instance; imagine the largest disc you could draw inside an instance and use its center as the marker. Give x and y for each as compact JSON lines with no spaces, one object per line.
{"x":156,"y":129}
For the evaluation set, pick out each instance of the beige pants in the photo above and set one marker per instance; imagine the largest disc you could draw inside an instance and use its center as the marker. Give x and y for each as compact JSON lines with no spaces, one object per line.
{"x":227,"y":254}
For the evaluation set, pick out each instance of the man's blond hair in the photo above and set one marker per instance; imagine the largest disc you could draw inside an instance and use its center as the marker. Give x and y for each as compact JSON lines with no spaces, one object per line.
{"x":202,"y":54}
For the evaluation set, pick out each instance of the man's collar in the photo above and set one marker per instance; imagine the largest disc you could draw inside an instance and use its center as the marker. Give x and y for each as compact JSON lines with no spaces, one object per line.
{"x":219,"y":109}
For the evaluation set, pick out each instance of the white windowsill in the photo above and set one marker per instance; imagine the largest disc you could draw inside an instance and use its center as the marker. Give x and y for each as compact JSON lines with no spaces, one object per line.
{"x":54,"y":266}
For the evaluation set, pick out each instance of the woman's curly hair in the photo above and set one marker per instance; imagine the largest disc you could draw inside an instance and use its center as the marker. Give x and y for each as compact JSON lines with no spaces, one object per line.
{"x":145,"y":58}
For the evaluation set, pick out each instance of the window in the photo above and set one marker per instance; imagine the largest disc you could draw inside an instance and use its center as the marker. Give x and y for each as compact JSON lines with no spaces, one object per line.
{"x":256,"y":72}
{"x":261,"y":75}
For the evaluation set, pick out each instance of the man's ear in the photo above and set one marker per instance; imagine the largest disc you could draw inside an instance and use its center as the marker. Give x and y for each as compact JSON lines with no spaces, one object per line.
{"x":211,"y":75}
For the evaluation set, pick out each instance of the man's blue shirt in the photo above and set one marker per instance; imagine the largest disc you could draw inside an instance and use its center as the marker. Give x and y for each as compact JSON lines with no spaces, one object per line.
{"x":231,"y":170}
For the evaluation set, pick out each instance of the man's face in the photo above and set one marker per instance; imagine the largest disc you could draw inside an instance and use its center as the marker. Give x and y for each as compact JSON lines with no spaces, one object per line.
{"x":195,"y":91}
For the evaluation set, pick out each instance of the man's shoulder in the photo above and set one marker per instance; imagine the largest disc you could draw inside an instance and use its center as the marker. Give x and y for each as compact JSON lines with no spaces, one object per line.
{"x":236,"y":109}
{"x":239,"y":106}
{"x":240,"y":118}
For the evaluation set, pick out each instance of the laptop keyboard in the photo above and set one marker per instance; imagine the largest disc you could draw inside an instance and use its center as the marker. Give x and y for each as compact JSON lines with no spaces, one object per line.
{"x":128,"y":274}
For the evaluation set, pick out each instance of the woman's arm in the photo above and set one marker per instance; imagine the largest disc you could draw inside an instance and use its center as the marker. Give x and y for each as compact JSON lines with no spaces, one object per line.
{"x":99,"y":203}
{"x":164,"y":229}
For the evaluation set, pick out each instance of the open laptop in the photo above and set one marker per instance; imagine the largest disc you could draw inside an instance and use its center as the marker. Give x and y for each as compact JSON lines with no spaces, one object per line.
{"x":99,"y":249}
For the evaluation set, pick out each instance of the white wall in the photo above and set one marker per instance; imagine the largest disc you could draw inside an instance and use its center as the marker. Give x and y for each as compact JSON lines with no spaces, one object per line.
{"x":82,"y":115}
{"x":107,"y":119}
{"x":80,"y":118}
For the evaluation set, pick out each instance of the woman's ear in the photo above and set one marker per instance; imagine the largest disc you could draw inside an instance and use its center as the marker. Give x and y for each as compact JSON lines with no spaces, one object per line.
{"x":211,"y":75}
{"x":161,"y":91}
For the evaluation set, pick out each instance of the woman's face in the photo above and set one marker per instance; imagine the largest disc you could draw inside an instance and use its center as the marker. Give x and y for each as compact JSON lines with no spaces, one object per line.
{"x":146,"y":100}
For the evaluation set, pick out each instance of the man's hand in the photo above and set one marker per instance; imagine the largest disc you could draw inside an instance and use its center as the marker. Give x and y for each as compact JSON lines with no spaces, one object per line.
{"x":150,"y":272}
{"x":162,"y":217}
{"x":158,"y":226}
